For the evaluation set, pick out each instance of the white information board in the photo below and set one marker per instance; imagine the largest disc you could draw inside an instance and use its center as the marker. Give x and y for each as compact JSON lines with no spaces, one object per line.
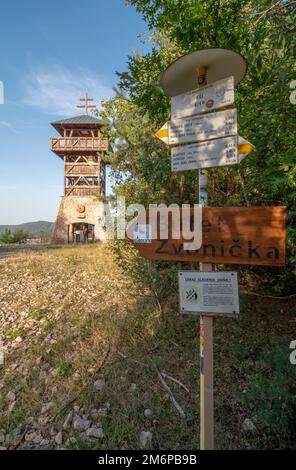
{"x":208,"y":292}
{"x":208,"y":154}
{"x":214,"y":96}
{"x":142,"y":233}
{"x":204,"y":127}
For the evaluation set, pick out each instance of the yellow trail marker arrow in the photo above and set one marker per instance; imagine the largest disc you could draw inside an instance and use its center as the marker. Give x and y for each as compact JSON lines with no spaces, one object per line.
{"x":163,"y":133}
{"x":244,"y":148}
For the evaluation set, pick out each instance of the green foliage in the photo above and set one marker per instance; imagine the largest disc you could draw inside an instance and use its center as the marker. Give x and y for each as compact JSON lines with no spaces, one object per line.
{"x":263,"y":32}
{"x":271,"y":395}
{"x":20,"y":236}
{"x":43,"y":236}
{"x":6,"y":236}
{"x":17,"y":236}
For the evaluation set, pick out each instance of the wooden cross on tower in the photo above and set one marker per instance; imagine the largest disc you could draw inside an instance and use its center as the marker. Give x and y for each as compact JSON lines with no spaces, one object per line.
{"x":86,"y":106}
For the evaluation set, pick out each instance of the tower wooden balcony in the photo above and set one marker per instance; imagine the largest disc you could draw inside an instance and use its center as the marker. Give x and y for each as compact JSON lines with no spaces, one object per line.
{"x":73,"y":145}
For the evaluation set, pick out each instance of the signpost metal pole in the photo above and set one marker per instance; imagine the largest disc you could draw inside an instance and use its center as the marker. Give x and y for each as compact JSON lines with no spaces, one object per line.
{"x":206,"y":359}
{"x":206,"y":332}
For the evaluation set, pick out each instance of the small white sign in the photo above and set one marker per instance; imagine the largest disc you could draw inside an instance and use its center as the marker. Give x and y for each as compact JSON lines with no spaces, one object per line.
{"x":142,"y":233}
{"x":208,"y":154}
{"x":208,"y":292}
{"x":205,"y":127}
{"x":213,"y":96}
{"x":199,"y":128}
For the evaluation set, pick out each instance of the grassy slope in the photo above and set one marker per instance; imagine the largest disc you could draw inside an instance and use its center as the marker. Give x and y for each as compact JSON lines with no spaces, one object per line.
{"x":75,"y":310}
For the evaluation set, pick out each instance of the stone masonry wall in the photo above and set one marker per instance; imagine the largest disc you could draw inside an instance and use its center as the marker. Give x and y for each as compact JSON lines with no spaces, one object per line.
{"x":79,"y":209}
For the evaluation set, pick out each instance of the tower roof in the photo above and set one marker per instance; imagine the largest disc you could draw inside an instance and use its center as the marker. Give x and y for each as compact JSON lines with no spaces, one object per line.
{"x":82,"y":121}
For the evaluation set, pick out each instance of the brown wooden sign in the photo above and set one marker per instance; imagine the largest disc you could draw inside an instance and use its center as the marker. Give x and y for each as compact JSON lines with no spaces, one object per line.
{"x":232,"y":235}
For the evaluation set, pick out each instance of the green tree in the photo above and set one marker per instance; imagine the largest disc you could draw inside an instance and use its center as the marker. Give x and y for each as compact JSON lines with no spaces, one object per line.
{"x":43,"y":236}
{"x":6,"y":236}
{"x":19,"y":236}
{"x":263,"y":32}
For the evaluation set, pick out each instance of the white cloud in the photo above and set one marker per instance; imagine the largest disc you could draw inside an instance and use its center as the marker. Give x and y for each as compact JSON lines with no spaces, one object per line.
{"x":9,"y":126}
{"x":57,"y":90}
{"x":5,"y":124}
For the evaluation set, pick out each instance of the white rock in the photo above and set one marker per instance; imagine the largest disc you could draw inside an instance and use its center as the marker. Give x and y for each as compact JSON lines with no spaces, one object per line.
{"x":148,"y":413}
{"x":44,"y":442}
{"x":145,"y":438}
{"x":248,"y":425}
{"x":81,"y":424}
{"x":133,"y":387}
{"x":10,"y":396}
{"x":11,"y":406}
{"x":2,"y":448}
{"x":68,"y":420}
{"x":95,"y":432}
{"x":54,"y":372}
{"x":30,"y":436}
{"x":59,"y":438}
{"x":99,"y":384}
{"x":46,"y":407}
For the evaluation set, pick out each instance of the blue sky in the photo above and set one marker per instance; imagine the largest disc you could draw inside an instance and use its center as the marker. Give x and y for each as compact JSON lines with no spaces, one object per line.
{"x":51,"y":52}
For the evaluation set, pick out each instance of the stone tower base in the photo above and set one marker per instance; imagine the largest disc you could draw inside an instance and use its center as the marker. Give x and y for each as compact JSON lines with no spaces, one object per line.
{"x":80,"y":218}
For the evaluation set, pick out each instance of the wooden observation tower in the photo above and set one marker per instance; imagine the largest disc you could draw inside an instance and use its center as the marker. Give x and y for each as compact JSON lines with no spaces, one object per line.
{"x":82,"y":147}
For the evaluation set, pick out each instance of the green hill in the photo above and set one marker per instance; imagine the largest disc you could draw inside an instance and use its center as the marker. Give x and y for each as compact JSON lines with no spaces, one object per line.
{"x":32,"y":227}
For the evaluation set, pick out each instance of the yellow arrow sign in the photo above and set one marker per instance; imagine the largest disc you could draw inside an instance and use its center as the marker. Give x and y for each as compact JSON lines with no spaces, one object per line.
{"x":244,"y":148}
{"x":163,"y":133}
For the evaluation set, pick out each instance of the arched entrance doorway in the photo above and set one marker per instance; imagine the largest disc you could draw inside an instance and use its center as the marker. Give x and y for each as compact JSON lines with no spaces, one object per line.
{"x":82,"y":233}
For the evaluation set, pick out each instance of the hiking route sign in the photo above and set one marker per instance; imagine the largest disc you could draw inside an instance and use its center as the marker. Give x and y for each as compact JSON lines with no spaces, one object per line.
{"x":201,"y":100}
{"x":218,"y":152}
{"x":208,"y":292}
{"x":199,"y":128}
{"x":200,"y":138}
{"x":230,"y":235}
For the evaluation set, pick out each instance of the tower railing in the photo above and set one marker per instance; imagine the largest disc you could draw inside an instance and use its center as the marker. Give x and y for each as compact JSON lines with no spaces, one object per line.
{"x":77,"y":144}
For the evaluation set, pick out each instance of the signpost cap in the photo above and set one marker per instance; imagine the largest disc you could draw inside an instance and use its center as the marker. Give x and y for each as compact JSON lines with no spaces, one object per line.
{"x":180,"y":76}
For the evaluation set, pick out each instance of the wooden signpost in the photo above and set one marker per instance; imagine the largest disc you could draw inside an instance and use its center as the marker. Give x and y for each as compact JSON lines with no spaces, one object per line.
{"x":230,"y":235}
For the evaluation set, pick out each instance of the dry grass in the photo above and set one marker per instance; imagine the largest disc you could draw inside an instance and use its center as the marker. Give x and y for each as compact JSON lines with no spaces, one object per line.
{"x":65,"y":316}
